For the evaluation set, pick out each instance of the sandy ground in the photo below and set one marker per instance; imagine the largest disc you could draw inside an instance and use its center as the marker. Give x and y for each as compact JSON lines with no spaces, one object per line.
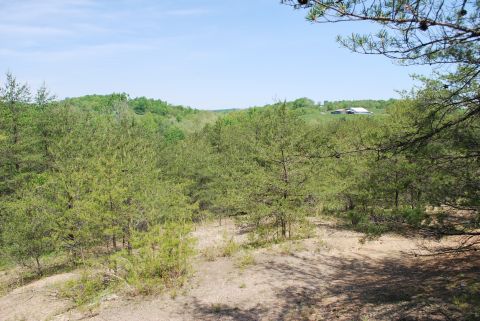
{"x":35,"y":301}
{"x":332,"y":276}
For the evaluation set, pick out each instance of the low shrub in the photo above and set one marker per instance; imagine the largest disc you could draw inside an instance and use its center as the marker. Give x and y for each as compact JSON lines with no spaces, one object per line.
{"x":376,"y":223}
{"x":227,"y":249}
{"x":88,"y":289}
{"x":210,"y":253}
{"x":159,"y":259}
{"x":229,"y":246}
{"x":372,"y":229}
{"x":413,"y":216}
{"x":291,"y":247}
{"x":244,"y":260}
{"x":355,"y":217}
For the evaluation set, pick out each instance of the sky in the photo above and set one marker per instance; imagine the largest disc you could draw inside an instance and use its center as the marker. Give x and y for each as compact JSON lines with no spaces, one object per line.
{"x":207,"y":54}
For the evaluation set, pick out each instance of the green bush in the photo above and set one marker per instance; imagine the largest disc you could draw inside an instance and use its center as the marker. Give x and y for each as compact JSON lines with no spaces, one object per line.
{"x":413,"y":216}
{"x":88,"y":289}
{"x":159,"y":259}
{"x":372,"y":229}
{"x":355,"y":217}
{"x":371,"y":225}
{"x":383,"y":221}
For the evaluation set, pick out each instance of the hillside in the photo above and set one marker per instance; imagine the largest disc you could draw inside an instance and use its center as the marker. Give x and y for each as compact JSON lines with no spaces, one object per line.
{"x":316,"y":113}
{"x":173,"y":120}
{"x":188,"y":120}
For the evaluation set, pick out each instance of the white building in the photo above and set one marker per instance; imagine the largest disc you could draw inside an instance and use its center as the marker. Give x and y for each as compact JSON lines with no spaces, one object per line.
{"x":358,"y":110}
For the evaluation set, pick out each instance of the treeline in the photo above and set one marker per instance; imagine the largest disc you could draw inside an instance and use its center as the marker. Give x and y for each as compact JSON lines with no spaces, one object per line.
{"x":308,"y":104}
{"x":174,"y":121}
{"x":93,"y":176}
{"x":140,"y":105}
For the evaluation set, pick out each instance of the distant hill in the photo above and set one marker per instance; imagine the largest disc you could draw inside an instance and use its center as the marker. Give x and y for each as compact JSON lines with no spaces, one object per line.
{"x":316,"y":113}
{"x":140,"y":105}
{"x":173,"y":120}
{"x":178,"y":120}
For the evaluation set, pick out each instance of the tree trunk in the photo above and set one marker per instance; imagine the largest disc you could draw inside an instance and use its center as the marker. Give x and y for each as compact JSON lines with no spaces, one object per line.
{"x":396,"y":198}
{"x":284,"y":226}
{"x":39,"y":267}
{"x":15,"y":142}
{"x":285,"y":194}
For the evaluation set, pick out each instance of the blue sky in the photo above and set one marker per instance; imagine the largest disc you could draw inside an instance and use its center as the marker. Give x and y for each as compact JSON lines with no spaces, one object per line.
{"x":208,"y":54}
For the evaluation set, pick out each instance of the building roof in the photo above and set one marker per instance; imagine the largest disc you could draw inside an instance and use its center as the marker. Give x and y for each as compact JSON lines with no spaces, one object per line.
{"x":358,"y":110}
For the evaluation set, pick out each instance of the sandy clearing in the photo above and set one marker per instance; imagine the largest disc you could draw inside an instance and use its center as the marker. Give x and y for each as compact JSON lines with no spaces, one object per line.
{"x":332,"y":276}
{"x":35,"y":301}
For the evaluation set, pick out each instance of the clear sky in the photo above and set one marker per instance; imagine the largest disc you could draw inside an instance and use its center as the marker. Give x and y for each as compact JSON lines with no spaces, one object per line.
{"x":208,"y":54}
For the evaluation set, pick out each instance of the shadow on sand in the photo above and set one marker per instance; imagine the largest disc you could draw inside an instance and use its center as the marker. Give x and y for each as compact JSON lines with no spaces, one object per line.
{"x":334,"y":288}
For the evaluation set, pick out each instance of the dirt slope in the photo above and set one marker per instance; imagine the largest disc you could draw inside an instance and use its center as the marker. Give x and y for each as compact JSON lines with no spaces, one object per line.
{"x":330,"y":277}
{"x":35,"y":301}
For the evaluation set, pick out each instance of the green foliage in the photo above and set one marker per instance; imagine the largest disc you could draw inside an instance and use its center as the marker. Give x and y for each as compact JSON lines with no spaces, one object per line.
{"x":88,"y":289}
{"x":303,"y":103}
{"x":355,"y":217}
{"x":124,"y":178}
{"x":269,"y":169}
{"x":230,"y":247}
{"x":382,"y":221}
{"x":372,"y":229}
{"x":28,"y":233}
{"x":245,"y":260}
{"x":436,"y":130}
{"x":17,"y":150}
{"x":143,"y":105}
{"x":174,"y":134}
{"x":413,"y":216}
{"x":81,"y":175}
{"x":159,"y":259}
